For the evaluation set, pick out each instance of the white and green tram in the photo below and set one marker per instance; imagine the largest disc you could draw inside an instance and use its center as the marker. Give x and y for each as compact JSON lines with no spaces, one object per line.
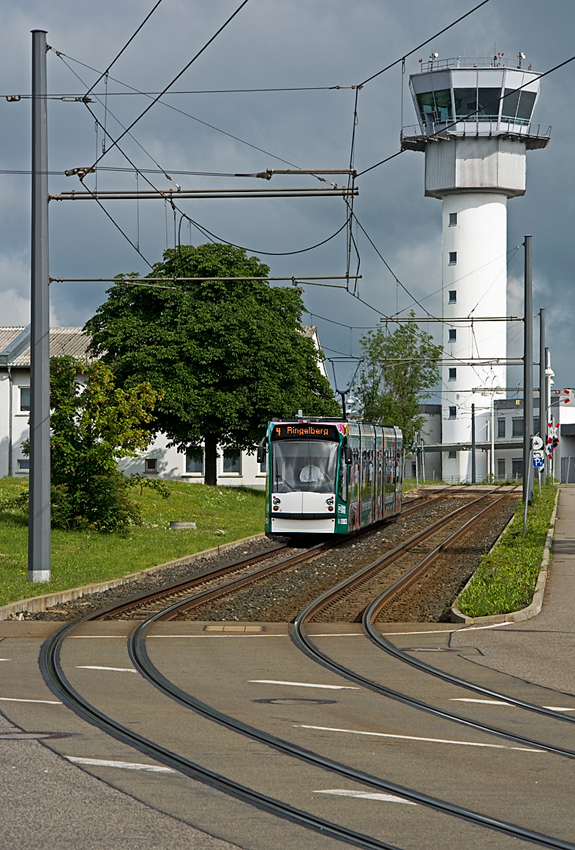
{"x":326,"y":476}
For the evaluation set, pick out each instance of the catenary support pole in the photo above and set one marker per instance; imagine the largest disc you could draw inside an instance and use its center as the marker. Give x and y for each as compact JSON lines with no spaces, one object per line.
{"x":473,"y":468}
{"x":527,"y":371}
{"x":39,"y":510}
{"x":542,"y":393}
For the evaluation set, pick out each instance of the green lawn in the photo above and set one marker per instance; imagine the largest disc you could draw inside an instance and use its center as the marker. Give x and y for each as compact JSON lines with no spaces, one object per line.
{"x":505,"y":579}
{"x":222,"y":514}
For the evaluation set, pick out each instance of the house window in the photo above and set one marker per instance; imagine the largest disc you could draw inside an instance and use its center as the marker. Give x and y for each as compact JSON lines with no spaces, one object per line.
{"x":452,"y":455}
{"x":452,"y":219}
{"x":517,"y":467}
{"x":452,"y":258}
{"x":517,"y":428}
{"x":150,"y":465}
{"x":501,"y":468}
{"x":501,"y":427}
{"x":452,"y":296}
{"x":232,"y":461}
{"x":195,"y":461}
{"x":452,"y":373}
{"x":452,"y":335}
{"x":23,"y":464}
{"x":24,"y":399}
{"x":453,"y":412}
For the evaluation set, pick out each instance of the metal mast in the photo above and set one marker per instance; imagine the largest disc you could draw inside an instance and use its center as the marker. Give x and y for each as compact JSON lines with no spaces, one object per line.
{"x":39,"y":511}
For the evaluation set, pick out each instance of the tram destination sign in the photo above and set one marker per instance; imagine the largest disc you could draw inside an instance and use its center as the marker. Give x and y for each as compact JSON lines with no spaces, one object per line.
{"x":304,"y":431}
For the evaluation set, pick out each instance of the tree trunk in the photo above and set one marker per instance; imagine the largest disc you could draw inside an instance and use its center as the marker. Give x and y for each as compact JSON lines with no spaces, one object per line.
{"x":210,"y":460}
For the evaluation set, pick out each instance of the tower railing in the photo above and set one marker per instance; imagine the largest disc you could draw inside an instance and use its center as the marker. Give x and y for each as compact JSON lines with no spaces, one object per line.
{"x":497,"y":61}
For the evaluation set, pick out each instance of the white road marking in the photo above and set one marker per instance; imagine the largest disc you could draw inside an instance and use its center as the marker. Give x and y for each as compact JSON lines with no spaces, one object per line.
{"x":44,"y":701}
{"x":304,"y":685}
{"x":5,"y":659}
{"x":124,"y":765}
{"x":555,"y":708}
{"x":449,"y":631}
{"x":482,"y":701}
{"x":414,"y":738}
{"x":114,"y":669}
{"x":501,"y":702}
{"x":367,"y":795}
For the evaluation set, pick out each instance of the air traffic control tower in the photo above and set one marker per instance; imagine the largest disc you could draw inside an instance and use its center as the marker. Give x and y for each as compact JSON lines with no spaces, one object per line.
{"x":475,"y":129}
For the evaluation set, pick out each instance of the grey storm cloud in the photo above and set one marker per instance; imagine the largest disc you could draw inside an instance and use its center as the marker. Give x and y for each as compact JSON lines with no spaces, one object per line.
{"x":318,"y":53}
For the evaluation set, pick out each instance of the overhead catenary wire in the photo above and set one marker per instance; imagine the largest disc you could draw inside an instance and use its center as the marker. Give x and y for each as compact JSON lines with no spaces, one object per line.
{"x":177,"y":77}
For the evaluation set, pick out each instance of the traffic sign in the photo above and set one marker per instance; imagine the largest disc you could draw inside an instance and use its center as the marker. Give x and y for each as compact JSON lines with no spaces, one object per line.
{"x":537,"y":443}
{"x":538,"y":462}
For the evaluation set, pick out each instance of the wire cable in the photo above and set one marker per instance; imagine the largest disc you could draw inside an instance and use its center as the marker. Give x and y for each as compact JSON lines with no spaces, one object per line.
{"x":127,"y":44}
{"x":177,"y":77}
{"x":423,"y":43}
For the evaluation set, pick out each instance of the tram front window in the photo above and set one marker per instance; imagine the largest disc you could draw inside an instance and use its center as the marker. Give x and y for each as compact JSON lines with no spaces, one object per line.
{"x":304,"y":465}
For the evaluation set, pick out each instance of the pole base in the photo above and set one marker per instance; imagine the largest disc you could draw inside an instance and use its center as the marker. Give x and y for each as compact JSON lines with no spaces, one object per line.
{"x":39,"y":575}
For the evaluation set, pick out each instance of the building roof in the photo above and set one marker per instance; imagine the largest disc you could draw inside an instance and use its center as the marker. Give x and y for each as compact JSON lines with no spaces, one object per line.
{"x":15,"y":347}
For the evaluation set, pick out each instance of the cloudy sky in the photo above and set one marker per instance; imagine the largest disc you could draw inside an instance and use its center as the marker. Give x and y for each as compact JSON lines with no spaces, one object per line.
{"x":307,"y":49}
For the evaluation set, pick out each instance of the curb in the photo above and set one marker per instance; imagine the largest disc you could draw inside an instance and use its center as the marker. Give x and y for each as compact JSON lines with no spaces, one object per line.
{"x":39,"y":603}
{"x":537,"y":602}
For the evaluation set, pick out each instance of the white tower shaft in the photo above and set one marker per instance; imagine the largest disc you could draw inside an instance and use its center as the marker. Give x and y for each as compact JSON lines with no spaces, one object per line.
{"x":474,"y":284}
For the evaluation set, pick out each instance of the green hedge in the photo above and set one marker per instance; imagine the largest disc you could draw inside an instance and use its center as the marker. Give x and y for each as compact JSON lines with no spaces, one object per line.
{"x":506,"y":577}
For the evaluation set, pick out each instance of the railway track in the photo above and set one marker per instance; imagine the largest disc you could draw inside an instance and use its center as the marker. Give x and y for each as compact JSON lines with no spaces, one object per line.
{"x":54,"y":673}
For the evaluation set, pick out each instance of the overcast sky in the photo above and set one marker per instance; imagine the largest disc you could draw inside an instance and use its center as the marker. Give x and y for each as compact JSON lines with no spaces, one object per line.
{"x":274,"y":44}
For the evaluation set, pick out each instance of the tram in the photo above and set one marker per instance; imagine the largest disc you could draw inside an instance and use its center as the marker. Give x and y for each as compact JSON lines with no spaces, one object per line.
{"x":325,"y":476}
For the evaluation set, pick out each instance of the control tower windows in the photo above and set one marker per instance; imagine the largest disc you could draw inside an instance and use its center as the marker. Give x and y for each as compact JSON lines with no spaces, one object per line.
{"x":436,"y":105}
{"x":452,"y":335}
{"x":453,"y":258}
{"x":517,"y":106}
{"x":465,"y":103}
{"x":452,"y":219}
{"x":452,"y":296}
{"x":488,"y":104}
{"x":452,"y":373}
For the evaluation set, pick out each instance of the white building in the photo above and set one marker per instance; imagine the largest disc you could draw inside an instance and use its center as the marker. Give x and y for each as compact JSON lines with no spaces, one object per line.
{"x":233,"y":468}
{"x":475,"y":129}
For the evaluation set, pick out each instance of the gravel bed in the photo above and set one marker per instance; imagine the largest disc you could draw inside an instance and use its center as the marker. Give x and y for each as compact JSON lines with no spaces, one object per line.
{"x":430,"y":598}
{"x":281,"y":597}
{"x":150,"y":581}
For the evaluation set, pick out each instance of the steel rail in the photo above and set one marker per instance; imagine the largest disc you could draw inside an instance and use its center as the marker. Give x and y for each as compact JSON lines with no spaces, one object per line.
{"x":54,"y":676}
{"x":141,"y":660}
{"x":232,"y":566}
{"x":306,"y":645}
{"x":389,"y":557}
{"x":51,"y":667}
{"x":185,"y":584}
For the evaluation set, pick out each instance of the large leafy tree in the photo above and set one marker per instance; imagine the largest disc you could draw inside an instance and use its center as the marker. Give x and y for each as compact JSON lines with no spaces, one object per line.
{"x":398,"y":371}
{"x":226,"y":355}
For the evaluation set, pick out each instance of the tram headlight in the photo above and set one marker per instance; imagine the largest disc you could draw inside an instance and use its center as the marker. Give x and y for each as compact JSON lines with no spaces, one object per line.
{"x":276,"y":503}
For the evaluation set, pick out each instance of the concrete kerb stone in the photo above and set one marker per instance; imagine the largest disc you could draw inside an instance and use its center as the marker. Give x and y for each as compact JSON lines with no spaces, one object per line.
{"x":41,"y":603}
{"x":536,"y":605}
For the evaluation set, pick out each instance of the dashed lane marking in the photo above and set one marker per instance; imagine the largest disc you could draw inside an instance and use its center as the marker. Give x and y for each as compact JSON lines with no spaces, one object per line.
{"x":304,"y":685}
{"x":44,"y":701}
{"x":123,"y":765}
{"x":502,"y":702}
{"x":367,"y":795}
{"x":415,"y":738}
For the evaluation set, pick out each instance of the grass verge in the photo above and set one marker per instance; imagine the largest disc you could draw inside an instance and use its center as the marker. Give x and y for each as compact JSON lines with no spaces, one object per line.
{"x":222,"y":514}
{"x":506,"y":577}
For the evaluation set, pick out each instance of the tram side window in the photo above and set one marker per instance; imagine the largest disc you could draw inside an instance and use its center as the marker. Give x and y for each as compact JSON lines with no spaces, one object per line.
{"x":343,"y":479}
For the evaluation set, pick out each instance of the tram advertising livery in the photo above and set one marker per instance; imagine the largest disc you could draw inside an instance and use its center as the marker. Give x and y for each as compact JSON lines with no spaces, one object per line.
{"x":330,"y":477}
